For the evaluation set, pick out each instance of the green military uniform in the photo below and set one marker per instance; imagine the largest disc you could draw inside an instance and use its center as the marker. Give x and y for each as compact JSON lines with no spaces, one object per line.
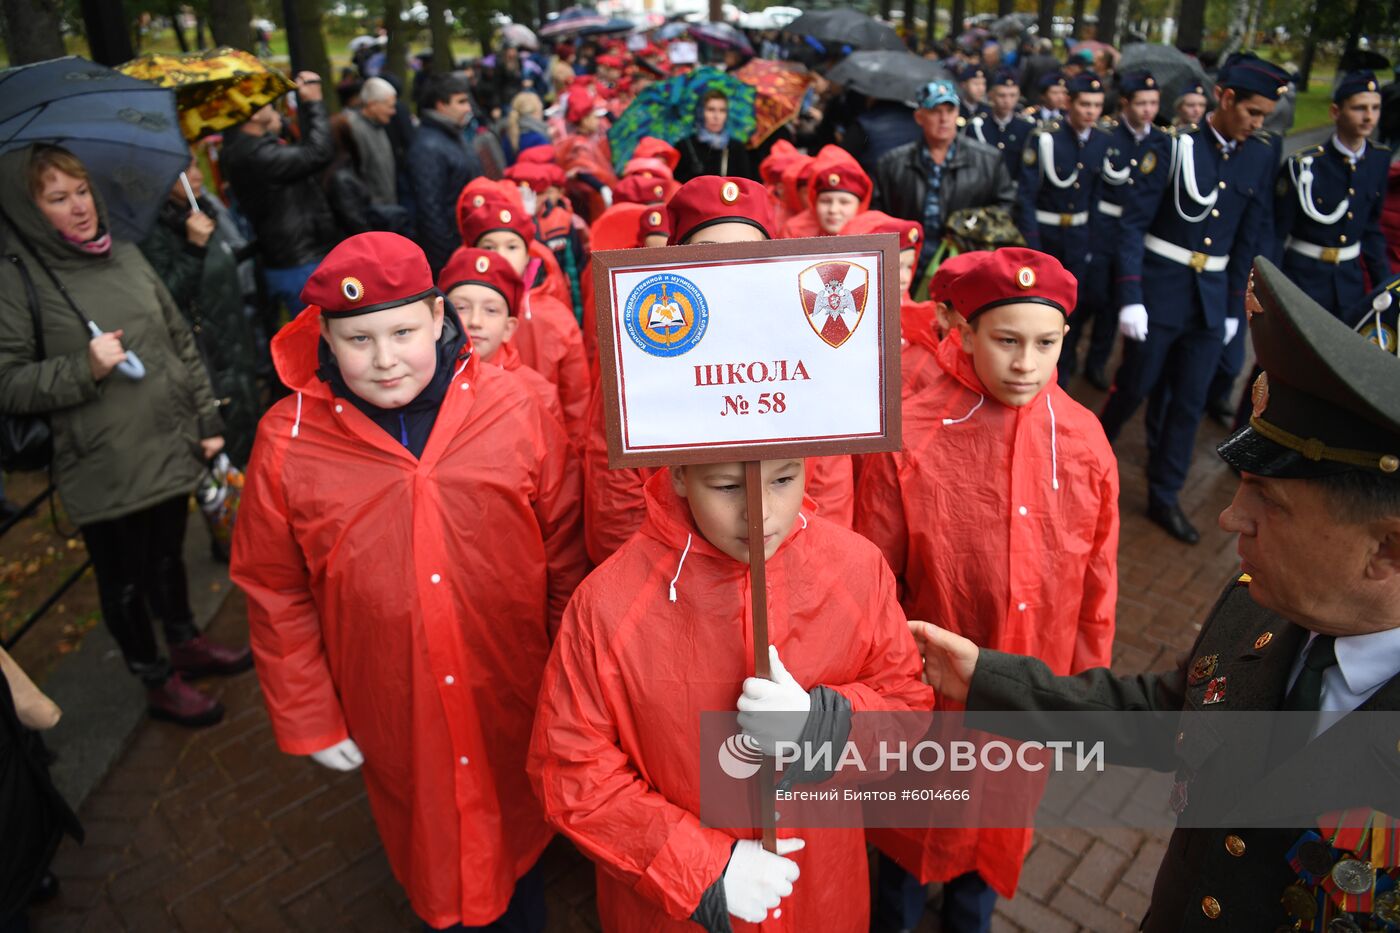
{"x":1329,"y":402}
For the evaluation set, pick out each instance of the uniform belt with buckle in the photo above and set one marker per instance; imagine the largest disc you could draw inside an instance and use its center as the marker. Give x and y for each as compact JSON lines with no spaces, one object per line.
{"x":1330,"y":254}
{"x":1201,"y":262}
{"x":1062,"y":220}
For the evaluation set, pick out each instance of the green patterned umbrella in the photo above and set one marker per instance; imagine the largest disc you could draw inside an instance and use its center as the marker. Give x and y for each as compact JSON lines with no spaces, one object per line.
{"x":669,"y":111}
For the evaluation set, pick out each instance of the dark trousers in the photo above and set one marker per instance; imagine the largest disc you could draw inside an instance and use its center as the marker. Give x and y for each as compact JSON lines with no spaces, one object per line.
{"x":1222,"y":384}
{"x":138,"y":559}
{"x":1174,"y":366}
{"x":525,"y":914}
{"x":1097,"y":310}
{"x":899,"y":901}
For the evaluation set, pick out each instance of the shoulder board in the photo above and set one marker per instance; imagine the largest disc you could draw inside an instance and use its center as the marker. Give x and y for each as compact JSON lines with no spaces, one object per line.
{"x":1243,"y":580}
{"x":1380,"y":147}
{"x":1307,"y":151}
{"x":1264,"y":136}
{"x":1106,"y":123}
{"x":1052,"y":126}
{"x":1030,"y":112}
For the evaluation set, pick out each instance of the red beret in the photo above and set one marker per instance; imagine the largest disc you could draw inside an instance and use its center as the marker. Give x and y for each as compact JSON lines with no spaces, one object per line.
{"x":910,"y":232}
{"x":714,"y":199}
{"x":540,"y":153}
{"x":537,"y":175}
{"x":639,"y":189}
{"x":610,"y":61}
{"x":1011,"y":275}
{"x":778,"y":158}
{"x":582,"y":101}
{"x":653,"y":221}
{"x":369,"y":272}
{"x":467,"y":266}
{"x":649,"y":147}
{"x":940,"y":289}
{"x":648,"y":166}
{"x":850,"y":179}
{"x":494,"y":212}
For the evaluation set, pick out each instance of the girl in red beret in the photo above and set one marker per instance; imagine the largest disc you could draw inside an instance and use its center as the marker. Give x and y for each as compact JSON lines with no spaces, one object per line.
{"x":1000,"y":519}
{"x":838,"y":190}
{"x":401,"y":504}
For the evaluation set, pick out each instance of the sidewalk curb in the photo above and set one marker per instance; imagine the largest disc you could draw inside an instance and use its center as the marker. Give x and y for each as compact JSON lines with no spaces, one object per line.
{"x":102,"y":703}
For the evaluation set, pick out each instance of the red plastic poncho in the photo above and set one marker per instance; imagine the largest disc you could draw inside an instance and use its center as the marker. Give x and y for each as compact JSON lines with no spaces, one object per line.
{"x":797,"y":172}
{"x":1002,"y":525}
{"x":617,"y":737}
{"x":377,"y":588}
{"x":830,"y":159}
{"x":549,"y":342}
{"x":508,"y":358}
{"x":614,"y":504}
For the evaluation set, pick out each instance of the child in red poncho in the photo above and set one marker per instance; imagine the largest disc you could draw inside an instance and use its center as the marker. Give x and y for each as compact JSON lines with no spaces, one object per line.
{"x":838,"y":190}
{"x":1000,"y":520}
{"x":403,"y":505}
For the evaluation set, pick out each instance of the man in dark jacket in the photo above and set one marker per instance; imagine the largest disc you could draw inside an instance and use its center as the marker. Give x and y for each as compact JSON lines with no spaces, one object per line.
{"x":440,"y":163}
{"x":929,"y":179}
{"x":278,"y":189}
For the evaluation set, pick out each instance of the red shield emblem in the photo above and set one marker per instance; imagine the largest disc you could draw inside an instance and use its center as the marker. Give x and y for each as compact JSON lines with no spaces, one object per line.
{"x":833,"y":299}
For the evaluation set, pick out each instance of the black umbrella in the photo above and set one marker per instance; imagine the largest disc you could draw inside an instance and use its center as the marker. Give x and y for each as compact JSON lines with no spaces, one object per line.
{"x":721,"y":36}
{"x":1174,"y":69}
{"x":897,"y":76}
{"x":125,"y":131}
{"x":846,"y":27}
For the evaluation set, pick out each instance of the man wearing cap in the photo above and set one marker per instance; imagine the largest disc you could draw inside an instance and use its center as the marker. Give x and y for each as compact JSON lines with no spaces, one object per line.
{"x":1328,"y":204}
{"x":1000,"y":125}
{"x":1189,"y":108}
{"x":401,"y":505}
{"x":1320,"y":473}
{"x":1183,"y":258}
{"x":1136,"y":147}
{"x":972,"y":92}
{"x":934,"y":177}
{"x":1061,"y":172}
{"x":1053,"y":91}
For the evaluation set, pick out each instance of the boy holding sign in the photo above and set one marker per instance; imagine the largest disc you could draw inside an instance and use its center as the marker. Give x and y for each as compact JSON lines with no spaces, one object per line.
{"x":661,"y":633}
{"x":1000,"y":519}
{"x":407,"y":541}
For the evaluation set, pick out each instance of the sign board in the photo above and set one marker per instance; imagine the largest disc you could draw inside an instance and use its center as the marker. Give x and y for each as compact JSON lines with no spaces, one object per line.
{"x":749,"y":351}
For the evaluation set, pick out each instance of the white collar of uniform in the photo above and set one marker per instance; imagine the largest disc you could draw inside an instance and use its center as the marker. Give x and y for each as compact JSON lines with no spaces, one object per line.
{"x":1369,"y":660}
{"x":1352,"y":157}
{"x":1227,"y":144}
{"x":1084,"y":136}
{"x":1137,"y":136}
{"x":1003,"y":124}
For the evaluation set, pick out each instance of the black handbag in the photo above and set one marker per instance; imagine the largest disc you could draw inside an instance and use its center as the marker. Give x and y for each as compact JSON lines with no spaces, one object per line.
{"x":26,"y":441}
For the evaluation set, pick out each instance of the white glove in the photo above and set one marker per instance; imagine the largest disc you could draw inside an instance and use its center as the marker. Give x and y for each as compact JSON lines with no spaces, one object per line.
{"x":1232,"y":327}
{"x":606,"y":192}
{"x":342,"y":756}
{"x":529,"y":199}
{"x":1132,"y":322}
{"x":763,"y":697}
{"x":756,"y":881}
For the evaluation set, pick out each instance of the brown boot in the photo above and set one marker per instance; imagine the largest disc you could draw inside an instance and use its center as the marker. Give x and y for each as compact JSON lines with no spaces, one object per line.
{"x":198,"y":657}
{"x":176,"y":701}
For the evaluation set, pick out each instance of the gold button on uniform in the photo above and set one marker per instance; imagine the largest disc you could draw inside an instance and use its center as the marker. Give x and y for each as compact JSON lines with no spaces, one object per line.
{"x":1222,"y":185}
{"x":1206,"y":241}
{"x":1234,"y":845}
{"x":1210,"y":907}
{"x":1343,"y":237}
{"x":1215,"y":212}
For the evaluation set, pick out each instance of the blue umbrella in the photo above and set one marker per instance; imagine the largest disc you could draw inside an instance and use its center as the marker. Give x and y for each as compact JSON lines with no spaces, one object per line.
{"x":126,"y":132}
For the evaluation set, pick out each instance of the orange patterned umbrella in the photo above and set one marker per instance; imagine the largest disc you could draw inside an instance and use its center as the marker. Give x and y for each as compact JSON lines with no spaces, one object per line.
{"x":214,"y":90}
{"x":779,"y":88}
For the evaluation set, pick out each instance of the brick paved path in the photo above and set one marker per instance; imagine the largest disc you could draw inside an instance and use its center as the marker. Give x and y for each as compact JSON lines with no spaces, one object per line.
{"x":216,"y":830}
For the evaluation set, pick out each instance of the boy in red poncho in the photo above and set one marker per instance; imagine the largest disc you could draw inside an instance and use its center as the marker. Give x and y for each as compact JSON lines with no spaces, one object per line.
{"x":484,"y":290}
{"x":613,"y":499}
{"x":662,"y":633}
{"x":548,"y":338}
{"x":400,"y":505}
{"x":838,"y":190}
{"x":1000,"y":520}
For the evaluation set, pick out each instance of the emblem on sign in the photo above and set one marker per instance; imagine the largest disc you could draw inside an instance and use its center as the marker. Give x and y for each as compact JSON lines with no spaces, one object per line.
{"x":833,"y":299}
{"x":666,"y":315}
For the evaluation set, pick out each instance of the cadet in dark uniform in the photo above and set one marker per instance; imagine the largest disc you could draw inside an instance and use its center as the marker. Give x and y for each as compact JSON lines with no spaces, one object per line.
{"x":1136,"y":148}
{"x":1320,"y":467}
{"x":1060,"y":175}
{"x":1190,"y":107}
{"x":1184,"y":250}
{"x":1054,"y":98}
{"x":972,"y":91}
{"x":1000,"y":125}
{"x":1328,"y":206}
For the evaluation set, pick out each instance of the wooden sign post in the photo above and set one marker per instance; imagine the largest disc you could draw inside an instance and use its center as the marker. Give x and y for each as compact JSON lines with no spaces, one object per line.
{"x":747,"y":352}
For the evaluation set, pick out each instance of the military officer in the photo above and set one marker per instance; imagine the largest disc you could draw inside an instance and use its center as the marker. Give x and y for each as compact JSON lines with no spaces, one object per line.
{"x":1000,"y":125}
{"x":1060,"y":176}
{"x":972,"y":91}
{"x":1184,"y":250}
{"x":1136,"y":147}
{"x":1053,"y":89}
{"x":1320,"y":467}
{"x":1328,"y":205}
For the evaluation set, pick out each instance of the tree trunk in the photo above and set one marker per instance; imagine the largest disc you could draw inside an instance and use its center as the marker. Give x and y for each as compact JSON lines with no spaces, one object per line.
{"x":1047,"y":19}
{"x":1235,"y":38}
{"x":396,"y":49}
{"x":885,"y":7}
{"x":199,"y":42}
{"x":931,"y":24}
{"x":1006,"y":7}
{"x":1077,"y":16}
{"x":1191,"y":25}
{"x":1107,"y":29}
{"x":911,"y":35}
{"x":1309,"y":52}
{"x":313,"y":48}
{"x":1358,"y":26}
{"x":442,"y":37}
{"x":716,"y":11}
{"x":955,"y":25}
{"x":541,"y":13}
{"x":174,"y":12}
{"x":231,"y":24}
{"x":32,"y":31}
